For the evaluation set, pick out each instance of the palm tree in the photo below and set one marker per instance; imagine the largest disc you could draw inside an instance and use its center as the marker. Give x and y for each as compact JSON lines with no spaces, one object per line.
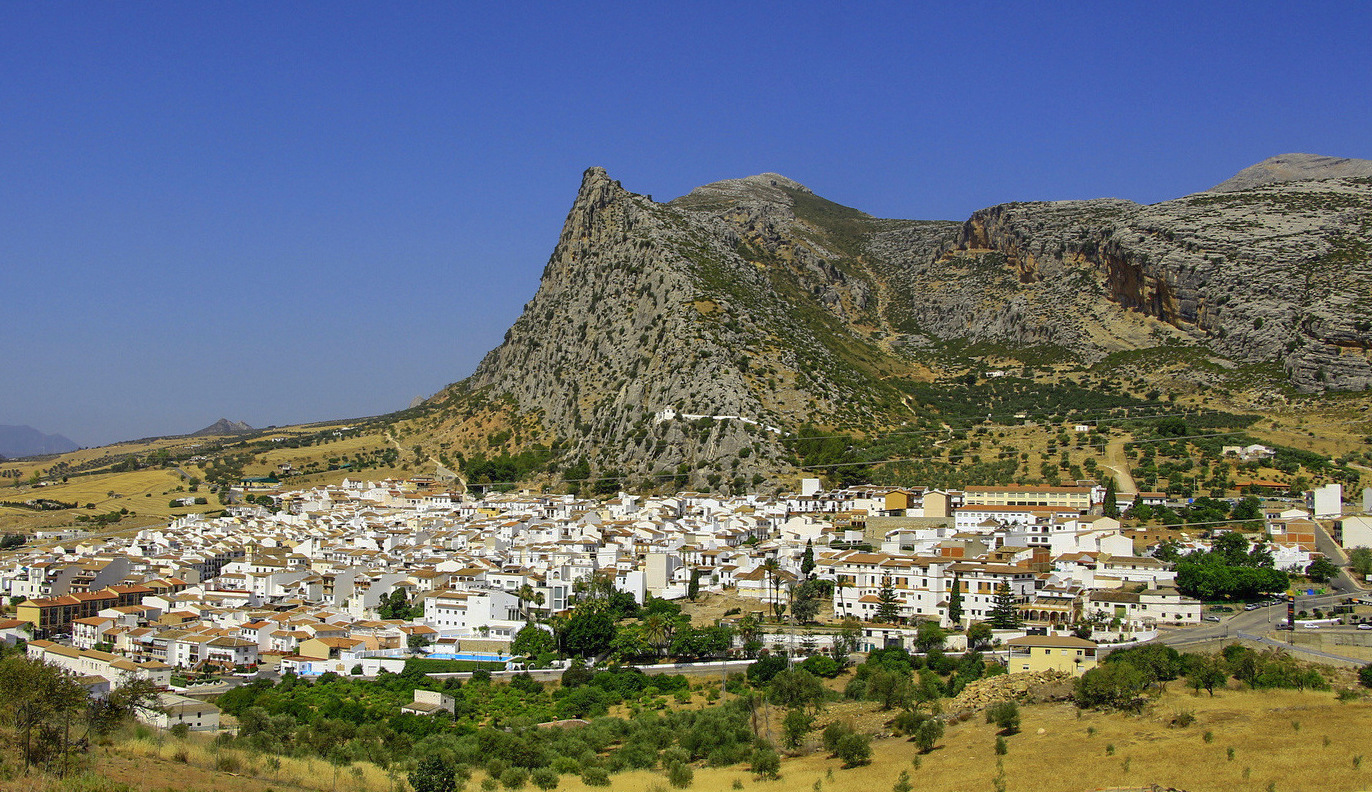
{"x":748,"y":631}
{"x":773,"y":571}
{"x":655,"y":631}
{"x":524,"y":593}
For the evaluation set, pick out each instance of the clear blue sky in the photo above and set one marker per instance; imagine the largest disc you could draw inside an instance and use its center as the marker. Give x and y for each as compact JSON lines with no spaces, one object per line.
{"x":282,"y":212}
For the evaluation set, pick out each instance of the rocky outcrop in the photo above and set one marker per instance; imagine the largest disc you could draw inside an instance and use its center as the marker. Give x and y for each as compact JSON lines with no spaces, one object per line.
{"x":1295,"y":167}
{"x":1023,"y":688}
{"x":647,"y":307}
{"x":1273,"y":274}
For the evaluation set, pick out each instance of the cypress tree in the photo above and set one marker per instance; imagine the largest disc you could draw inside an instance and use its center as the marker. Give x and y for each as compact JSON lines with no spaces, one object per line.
{"x":955,"y":603}
{"x":1003,"y":613}
{"x":889,"y":609}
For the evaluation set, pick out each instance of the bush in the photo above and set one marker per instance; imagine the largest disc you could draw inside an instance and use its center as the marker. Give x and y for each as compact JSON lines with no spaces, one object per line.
{"x":833,"y":733}
{"x":514,"y":778}
{"x":854,"y":749}
{"x":766,"y":763}
{"x":822,"y":666}
{"x":1156,"y":661}
{"x":595,"y":776}
{"x":1112,"y":686}
{"x":680,"y":775}
{"x":797,"y":724}
{"x":1004,"y":714}
{"x":1365,"y":675}
{"x":1001,"y":746}
{"x":432,"y":775}
{"x":544,"y":778}
{"x":927,"y":734}
{"x":764,"y":668}
{"x":180,"y":730}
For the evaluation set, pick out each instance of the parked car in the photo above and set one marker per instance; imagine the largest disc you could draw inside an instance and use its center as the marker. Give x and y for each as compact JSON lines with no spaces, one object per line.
{"x":1212,"y":618}
{"x":1365,"y":626}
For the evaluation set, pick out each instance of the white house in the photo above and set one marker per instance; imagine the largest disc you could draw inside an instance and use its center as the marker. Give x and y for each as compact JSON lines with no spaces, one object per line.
{"x":176,"y":709}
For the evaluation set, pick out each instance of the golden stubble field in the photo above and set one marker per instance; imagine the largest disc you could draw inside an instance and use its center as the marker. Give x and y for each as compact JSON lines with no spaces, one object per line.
{"x":1280,"y":740}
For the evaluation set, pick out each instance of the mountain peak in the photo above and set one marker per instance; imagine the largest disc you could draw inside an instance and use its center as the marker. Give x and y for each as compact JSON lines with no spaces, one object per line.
{"x":1294,"y":167}
{"x":762,"y":188}
{"x":223,"y":426}
{"x":24,"y":441}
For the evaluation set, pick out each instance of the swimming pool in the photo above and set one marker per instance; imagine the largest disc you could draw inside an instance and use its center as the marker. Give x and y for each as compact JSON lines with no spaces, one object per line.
{"x":476,"y":657}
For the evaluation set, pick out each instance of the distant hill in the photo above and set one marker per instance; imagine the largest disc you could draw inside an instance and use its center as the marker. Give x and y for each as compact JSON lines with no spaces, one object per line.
{"x":25,"y":441}
{"x":1295,"y":167}
{"x":223,"y":426}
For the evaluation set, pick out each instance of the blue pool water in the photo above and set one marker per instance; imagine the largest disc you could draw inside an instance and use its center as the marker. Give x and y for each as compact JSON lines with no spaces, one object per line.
{"x":480,"y":657}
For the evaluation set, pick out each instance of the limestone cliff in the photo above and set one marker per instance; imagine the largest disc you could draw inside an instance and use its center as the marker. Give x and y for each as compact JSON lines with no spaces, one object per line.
{"x":1277,"y":273}
{"x":760,"y":302}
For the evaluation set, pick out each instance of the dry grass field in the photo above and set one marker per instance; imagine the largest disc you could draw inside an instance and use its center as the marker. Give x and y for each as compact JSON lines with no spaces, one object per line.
{"x":1239,"y":740}
{"x":146,"y":493}
{"x":1279,"y":738}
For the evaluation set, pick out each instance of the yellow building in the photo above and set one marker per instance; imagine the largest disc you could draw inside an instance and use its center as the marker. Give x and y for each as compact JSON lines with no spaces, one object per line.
{"x":1044,"y":652}
{"x":900,"y":500}
{"x":1078,"y":498}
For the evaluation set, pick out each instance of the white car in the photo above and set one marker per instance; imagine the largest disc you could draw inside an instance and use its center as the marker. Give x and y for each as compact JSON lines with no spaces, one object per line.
{"x":1365,"y":626}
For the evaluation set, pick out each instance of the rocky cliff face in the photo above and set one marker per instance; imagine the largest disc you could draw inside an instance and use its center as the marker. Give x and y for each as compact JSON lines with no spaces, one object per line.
{"x":756,"y":300}
{"x":1278,"y":273}
{"x":647,"y":310}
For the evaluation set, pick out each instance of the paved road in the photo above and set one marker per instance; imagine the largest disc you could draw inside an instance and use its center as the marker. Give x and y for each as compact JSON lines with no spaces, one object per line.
{"x":1331,"y":549}
{"x":1257,"y":621}
{"x":1292,"y":647}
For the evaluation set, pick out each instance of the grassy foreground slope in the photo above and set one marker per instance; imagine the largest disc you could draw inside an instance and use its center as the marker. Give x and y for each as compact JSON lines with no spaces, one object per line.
{"x":1283,"y":740}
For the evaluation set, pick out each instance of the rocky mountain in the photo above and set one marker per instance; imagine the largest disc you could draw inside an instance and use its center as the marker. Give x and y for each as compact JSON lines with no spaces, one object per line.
{"x":1295,"y":167}
{"x":25,"y":441}
{"x":223,"y":426}
{"x":685,"y":337}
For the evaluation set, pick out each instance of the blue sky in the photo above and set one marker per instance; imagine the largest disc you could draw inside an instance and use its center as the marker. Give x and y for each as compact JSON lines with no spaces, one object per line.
{"x":283,"y":212}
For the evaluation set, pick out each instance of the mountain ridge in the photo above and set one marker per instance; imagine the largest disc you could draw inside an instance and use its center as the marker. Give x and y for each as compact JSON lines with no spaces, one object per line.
{"x":223,"y":426}
{"x":757,"y":299}
{"x":25,"y":441}
{"x":1295,"y":167}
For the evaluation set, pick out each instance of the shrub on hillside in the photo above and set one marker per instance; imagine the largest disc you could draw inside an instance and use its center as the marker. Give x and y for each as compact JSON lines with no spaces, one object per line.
{"x":854,"y":749}
{"x":1112,"y":686}
{"x":1004,"y":714}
